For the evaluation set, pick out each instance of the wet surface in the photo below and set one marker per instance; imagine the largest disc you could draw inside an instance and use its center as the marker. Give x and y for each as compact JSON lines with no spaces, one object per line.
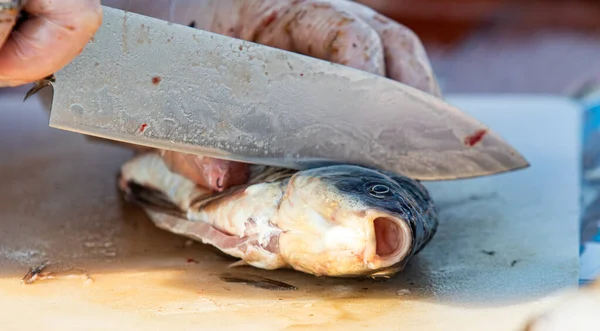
{"x":60,"y":203}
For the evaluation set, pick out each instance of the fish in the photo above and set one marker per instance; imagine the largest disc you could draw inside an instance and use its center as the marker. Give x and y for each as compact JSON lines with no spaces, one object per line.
{"x":337,"y":220}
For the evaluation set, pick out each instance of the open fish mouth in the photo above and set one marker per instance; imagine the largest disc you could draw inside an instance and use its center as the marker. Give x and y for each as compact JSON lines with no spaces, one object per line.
{"x":391,"y":238}
{"x":387,"y":236}
{"x":392,"y":241}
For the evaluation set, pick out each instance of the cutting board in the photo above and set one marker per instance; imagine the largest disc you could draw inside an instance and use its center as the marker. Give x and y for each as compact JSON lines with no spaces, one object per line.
{"x":506,"y":243}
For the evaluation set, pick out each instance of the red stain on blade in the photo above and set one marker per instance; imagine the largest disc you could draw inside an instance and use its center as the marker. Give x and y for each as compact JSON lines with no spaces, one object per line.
{"x":143,"y":127}
{"x":475,"y":138}
{"x":156,"y":80}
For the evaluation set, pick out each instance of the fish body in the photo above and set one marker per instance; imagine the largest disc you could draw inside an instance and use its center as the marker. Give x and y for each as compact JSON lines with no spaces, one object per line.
{"x":340,"y":220}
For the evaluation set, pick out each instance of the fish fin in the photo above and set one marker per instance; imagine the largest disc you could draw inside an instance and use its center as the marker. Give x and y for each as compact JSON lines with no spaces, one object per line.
{"x":151,"y":198}
{"x":237,"y":264}
{"x":40,"y":84}
{"x":257,"y":281}
{"x":267,"y":174}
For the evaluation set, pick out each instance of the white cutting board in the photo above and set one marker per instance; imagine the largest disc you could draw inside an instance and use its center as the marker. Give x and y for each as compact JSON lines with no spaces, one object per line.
{"x":59,"y":202}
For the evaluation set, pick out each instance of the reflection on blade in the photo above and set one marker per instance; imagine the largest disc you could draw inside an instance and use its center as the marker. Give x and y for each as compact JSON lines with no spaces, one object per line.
{"x":149,"y":82}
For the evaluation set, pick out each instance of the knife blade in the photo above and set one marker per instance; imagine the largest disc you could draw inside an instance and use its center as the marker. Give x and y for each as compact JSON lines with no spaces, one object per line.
{"x":153,"y":83}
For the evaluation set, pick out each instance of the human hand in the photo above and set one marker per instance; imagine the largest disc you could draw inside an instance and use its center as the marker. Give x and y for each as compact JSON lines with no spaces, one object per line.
{"x":340,"y":31}
{"x":54,"y":33}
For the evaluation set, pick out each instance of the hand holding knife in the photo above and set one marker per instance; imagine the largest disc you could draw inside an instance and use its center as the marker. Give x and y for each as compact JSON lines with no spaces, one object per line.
{"x":149,"y":82}
{"x":51,"y":35}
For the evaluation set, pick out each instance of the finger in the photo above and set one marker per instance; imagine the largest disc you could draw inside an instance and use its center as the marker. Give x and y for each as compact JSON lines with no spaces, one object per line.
{"x":315,"y":29}
{"x":55,"y":34}
{"x":214,"y":174}
{"x":405,"y":57}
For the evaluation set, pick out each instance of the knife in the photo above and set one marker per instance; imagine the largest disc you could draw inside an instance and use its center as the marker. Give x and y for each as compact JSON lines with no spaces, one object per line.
{"x":149,"y":82}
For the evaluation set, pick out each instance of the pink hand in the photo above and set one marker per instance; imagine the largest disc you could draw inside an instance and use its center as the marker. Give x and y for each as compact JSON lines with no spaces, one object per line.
{"x":55,"y":34}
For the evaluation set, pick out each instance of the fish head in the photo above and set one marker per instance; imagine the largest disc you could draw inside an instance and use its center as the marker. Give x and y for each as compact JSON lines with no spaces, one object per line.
{"x":349,"y":220}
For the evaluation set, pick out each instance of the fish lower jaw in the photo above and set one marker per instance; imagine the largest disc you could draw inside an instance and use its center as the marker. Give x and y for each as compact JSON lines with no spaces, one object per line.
{"x":392,"y":240}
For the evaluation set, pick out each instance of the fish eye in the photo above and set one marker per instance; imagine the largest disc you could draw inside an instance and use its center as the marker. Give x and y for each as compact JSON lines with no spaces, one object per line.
{"x":379,"y":190}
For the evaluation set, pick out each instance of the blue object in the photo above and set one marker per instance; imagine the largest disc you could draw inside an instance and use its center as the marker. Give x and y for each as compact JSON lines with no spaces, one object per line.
{"x":590,"y":232}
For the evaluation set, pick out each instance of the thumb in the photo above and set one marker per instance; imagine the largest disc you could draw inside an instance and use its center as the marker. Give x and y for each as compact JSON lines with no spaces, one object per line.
{"x":54,"y":33}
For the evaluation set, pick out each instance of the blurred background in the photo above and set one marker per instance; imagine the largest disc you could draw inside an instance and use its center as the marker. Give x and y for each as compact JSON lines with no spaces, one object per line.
{"x":504,"y":46}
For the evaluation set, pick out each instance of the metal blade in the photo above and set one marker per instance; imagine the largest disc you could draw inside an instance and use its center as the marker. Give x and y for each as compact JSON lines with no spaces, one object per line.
{"x":150,"y":82}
